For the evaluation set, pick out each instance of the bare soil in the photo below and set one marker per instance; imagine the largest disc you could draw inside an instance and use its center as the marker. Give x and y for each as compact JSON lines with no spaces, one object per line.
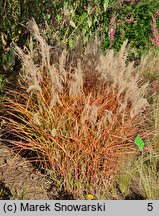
{"x":19,"y":179}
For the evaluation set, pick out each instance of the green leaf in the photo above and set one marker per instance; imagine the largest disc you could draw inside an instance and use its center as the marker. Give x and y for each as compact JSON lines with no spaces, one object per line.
{"x":83,"y":16}
{"x":106,"y":2}
{"x":72,"y":24}
{"x":139,"y":142}
{"x":71,"y":43}
{"x":89,"y":21}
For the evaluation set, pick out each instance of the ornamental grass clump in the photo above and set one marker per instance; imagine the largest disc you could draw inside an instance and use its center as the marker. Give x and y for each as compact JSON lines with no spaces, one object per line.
{"x":79,"y":115}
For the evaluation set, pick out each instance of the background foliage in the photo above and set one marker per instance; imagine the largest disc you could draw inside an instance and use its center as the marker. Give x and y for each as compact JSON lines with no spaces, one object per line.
{"x":67,"y":21}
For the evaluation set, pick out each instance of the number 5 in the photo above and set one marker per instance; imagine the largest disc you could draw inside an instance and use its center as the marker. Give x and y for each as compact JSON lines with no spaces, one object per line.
{"x":149,"y":206}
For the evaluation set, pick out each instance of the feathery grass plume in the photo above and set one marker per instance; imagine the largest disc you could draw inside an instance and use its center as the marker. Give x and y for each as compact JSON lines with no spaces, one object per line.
{"x":79,"y":115}
{"x":149,"y":70}
{"x":76,"y":82}
{"x":123,"y":82}
{"x":44,"y":47}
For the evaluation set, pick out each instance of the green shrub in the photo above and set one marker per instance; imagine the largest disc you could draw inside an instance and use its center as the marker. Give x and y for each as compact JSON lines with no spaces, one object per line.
{"x":133,"y":22}
{"x":69,"y":21}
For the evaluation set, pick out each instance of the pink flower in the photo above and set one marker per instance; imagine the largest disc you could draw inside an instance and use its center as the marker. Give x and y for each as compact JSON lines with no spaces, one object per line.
{"x":111,"y":37}
{"x":155,"y":40}
{"x":157,"y":13}
{"x":112,"y":27}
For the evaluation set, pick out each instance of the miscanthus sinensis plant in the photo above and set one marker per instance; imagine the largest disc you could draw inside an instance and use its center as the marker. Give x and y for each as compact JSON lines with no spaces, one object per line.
{"x":80,"y":115}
